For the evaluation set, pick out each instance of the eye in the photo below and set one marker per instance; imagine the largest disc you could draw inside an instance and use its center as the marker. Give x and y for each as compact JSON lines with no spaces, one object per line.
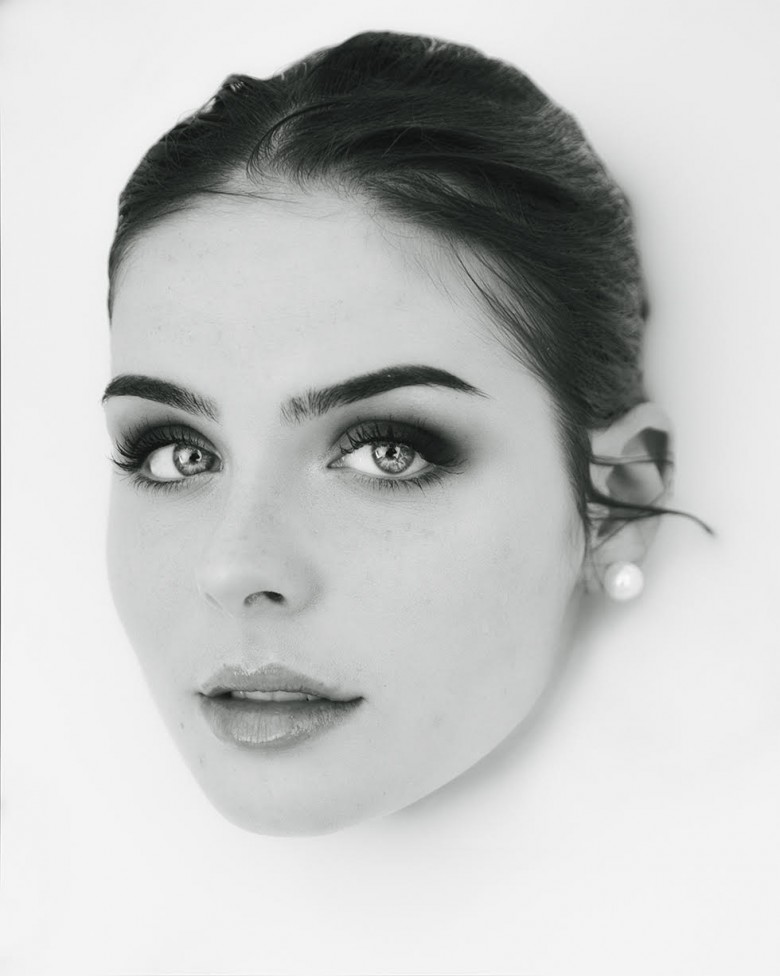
{"x":174,"y":462}
{"x":386,"y":458}
{"x":397,"y":454}
{"x":166,"y":456}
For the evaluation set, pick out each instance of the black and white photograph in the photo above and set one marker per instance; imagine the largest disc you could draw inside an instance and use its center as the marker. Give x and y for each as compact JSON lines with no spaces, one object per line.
{"x":390,"y":536}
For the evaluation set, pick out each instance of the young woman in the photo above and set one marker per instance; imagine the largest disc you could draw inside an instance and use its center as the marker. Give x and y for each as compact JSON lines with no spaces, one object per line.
{"x":380,"y":423}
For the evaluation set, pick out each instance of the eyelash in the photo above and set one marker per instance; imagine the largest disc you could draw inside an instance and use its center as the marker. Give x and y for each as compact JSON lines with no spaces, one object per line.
{"x":432,"y":447}
{"x":137,"y":444}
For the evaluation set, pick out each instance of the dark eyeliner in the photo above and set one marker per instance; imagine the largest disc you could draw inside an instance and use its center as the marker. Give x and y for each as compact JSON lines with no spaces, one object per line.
{"x":136,"y":444}
{"x":433,"y":447}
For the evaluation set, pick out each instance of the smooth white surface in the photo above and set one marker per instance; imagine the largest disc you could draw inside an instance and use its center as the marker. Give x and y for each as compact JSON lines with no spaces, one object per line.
{"x":623,"y":581}
{"x":634,"y":830}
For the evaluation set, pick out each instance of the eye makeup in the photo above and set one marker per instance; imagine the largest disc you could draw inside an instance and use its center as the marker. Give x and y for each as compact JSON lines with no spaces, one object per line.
{"x":396,"y":448}
{"x":442,"y":455}
{"x":136,"y":446}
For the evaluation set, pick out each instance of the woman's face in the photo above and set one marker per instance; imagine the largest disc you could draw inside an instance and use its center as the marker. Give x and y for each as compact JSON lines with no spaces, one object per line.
{"x":408,"y":543}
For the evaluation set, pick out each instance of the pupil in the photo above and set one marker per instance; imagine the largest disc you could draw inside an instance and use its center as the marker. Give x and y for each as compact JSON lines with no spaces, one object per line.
{"x":187,"y":458}
{"x":392,"y":458}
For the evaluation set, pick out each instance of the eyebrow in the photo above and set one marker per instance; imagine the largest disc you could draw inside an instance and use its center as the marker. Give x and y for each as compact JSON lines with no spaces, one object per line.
{"x":297,"y":409}
{"x":149,"y":388}
{"x":315,"y":403}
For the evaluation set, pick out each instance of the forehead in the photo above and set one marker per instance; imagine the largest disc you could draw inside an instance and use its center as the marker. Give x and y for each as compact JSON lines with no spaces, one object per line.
{"x":257,"y":285}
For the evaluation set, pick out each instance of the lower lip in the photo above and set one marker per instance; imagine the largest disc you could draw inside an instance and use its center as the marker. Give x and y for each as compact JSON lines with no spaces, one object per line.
{"x":273,"y":724}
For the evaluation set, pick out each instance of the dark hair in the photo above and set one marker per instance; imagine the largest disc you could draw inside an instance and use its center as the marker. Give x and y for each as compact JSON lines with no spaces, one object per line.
{"x":466,"y":146}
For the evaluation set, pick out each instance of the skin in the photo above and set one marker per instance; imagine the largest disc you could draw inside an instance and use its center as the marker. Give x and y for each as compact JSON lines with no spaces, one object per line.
{"x":444,"y":608}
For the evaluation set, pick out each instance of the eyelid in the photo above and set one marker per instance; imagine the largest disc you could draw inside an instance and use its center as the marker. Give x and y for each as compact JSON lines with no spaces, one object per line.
{"x":435,"y":447}
{"x":412,"y":423}
{"x":174,"y":429}
{"x":138,"y":442}
{"x":133,"y":417}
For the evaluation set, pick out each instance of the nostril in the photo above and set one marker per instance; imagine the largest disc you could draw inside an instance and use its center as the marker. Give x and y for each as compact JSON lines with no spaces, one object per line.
{"x":267,"y":594}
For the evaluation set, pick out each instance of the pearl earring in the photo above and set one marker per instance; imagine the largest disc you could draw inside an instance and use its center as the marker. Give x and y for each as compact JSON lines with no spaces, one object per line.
{"x":623,"y":581}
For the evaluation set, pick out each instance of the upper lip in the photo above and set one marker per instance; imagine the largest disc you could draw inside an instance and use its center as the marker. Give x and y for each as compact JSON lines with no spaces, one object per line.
{"x":269,"y":677}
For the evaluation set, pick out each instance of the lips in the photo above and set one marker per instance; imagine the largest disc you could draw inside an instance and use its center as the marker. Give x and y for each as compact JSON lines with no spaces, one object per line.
{"x":272,"y":707}
{"x":269,"y":678}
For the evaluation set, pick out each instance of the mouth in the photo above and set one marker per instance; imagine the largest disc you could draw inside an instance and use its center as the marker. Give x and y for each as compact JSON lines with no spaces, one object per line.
{"x":272,"y":707}
{"x":272,"y":679}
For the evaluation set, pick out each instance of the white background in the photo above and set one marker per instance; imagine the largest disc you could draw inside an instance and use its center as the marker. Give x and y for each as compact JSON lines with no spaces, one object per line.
{"x":636,"y":830}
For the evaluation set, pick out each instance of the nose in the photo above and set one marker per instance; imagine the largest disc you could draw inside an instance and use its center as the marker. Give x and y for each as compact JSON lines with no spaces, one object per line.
{"x":256,"y":557}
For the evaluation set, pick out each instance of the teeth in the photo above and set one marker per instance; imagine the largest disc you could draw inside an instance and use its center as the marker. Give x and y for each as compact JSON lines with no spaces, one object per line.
{"x":274,"y":695}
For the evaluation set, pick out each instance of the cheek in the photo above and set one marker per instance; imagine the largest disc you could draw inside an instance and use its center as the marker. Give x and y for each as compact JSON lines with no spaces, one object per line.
{"x":146,"y":559}
{"x":473,"y":604}
{"x":461,"y":625}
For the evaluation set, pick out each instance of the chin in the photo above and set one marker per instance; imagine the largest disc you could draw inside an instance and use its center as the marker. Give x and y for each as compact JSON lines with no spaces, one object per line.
{"x":289,"y":820}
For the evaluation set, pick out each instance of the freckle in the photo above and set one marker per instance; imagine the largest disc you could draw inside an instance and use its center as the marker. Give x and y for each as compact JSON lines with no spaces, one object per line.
{"x":181,"y":725}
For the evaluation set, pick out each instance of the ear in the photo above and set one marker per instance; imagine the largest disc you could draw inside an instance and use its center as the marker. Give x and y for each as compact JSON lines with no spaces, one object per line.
{"x":632,"y":465}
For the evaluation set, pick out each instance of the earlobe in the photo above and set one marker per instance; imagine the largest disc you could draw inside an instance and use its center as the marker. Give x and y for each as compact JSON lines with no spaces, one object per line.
{"x":630,"y":474}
